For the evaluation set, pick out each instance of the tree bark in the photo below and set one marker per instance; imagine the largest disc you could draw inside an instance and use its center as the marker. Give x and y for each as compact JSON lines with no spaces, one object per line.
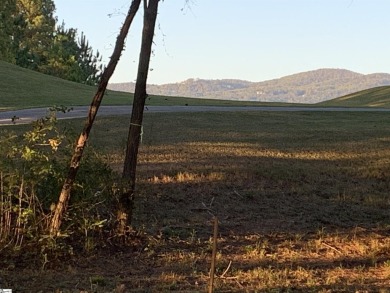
{"x":94,"y":107}
{"x":125,"y":208}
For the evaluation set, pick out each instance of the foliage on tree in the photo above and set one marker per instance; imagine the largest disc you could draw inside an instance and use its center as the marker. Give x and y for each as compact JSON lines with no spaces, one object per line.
{"x":35,"y":30}
{"x":7,"y":18}
{"x":31,"y":38}
{"x":88,"y":62}
{"x":71,"y":59}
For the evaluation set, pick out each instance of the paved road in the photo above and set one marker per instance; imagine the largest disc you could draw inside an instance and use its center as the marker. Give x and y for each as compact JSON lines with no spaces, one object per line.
{"x":28,"y":115}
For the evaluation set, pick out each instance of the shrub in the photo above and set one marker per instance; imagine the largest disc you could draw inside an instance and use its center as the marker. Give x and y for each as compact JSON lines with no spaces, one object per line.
{"x":32,"y":169}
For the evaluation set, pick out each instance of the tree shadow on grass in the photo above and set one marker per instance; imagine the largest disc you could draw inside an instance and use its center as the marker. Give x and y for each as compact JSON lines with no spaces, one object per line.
{"x":294,"y":197}
{"x":298,"y":211}
{"x":309,"y":230}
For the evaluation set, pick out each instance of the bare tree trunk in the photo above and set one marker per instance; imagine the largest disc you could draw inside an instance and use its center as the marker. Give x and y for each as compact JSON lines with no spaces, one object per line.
{"x":78,"y":151}
{"x":129,"y":169}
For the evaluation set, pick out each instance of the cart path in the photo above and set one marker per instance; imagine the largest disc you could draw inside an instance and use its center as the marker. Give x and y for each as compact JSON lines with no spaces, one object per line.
{"x":28,"y":115}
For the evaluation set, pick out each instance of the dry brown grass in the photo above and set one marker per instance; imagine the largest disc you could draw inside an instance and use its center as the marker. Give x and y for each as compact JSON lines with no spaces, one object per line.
{"x":302,"y":201}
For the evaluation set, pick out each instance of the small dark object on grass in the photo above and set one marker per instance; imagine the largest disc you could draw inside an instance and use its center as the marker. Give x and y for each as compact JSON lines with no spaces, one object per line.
{"x":13,"y":119}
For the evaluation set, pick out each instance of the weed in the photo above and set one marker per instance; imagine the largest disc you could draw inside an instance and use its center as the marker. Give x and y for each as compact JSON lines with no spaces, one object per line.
{"x":32,"y":166}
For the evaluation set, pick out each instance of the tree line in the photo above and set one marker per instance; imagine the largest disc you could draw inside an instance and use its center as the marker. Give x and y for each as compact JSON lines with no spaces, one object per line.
{"x":31,"y":37}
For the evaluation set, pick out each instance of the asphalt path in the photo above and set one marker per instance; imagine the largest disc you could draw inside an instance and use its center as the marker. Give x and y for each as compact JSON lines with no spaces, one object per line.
{"x":28,"y":115}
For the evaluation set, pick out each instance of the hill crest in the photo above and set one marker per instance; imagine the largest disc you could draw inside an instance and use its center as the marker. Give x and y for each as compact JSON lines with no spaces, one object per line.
{"x":305,"y":87}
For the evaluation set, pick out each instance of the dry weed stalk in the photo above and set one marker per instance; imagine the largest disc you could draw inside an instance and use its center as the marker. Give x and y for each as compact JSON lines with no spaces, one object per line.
{"x":214,"y":254}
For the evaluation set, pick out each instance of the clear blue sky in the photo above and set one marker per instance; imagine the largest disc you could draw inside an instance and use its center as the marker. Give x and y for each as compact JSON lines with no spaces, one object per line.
{"x":254,"y":40}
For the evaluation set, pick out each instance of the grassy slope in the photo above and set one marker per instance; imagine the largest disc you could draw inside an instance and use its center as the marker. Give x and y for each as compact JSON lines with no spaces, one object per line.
{"x":375,"y":97}
{"x":22,"y":88}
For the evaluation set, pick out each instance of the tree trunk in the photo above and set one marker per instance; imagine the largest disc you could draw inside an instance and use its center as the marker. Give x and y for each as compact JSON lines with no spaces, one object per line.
{"x":78,"y":151}
{"x":129,"y":169}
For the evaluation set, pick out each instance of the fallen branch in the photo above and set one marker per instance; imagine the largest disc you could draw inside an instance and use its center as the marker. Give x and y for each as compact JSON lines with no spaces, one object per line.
{"x":331,"y":247}
{"x":227,"y":269}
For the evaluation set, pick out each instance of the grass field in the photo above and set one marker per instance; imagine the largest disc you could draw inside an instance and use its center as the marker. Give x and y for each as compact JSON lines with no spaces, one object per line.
{"x":302,"y":198}
{"x":302,"y":201}
{"x":375,"y":97}
{"x":23,"y":88}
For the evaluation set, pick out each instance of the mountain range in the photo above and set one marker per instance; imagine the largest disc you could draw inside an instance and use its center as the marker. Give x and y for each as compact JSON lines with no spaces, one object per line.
{"x":307,"y":87}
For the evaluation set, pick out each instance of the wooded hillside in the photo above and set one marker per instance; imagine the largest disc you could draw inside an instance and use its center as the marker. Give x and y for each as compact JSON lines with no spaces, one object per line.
{"x":306,"y":87}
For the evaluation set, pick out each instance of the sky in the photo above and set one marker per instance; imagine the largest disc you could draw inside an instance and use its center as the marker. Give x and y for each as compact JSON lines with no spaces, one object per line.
{"x":253,"y":40}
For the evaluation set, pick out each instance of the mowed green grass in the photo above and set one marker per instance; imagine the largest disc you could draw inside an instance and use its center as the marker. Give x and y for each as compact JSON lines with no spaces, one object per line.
{"x":302,"y":199}
{"x":326,"y":156}
{"x":23,"y":88}
{"x":378,"y":97}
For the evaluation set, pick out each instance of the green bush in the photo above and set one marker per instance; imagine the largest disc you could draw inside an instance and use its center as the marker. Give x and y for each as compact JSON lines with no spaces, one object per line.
{"x":33,"y":166}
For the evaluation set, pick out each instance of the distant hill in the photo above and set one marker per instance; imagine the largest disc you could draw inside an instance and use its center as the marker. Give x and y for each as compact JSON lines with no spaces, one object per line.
{"x":307,"y":87}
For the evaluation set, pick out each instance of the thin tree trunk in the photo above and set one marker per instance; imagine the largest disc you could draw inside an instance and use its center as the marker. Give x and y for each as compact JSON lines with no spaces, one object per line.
{"x":129,"y":169}
{"x":79,"y":149}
